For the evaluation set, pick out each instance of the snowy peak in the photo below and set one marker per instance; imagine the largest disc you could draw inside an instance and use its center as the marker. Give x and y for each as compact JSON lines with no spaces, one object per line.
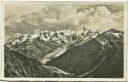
{"x":77,"y":37}
{"x":56,"y":37}
{"x":110,"y":35}
{"x":21,"y":39}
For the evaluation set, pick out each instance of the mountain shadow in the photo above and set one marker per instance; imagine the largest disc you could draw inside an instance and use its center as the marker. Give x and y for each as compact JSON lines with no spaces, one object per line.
{"x":18,"y":65}
{"x":94,"y":59}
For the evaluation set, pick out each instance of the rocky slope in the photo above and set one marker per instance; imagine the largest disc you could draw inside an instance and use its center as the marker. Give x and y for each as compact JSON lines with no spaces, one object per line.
{"x":102,"y":56}
{"x":83,"y":53}
{"x":18,"y":65}
{"x":38,"y":45}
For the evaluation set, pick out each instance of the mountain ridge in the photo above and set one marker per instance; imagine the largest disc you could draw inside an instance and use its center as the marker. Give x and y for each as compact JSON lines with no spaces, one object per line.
{"x":42,"y":46}
{"x":83,"y":51}
{"x":18,"y":65}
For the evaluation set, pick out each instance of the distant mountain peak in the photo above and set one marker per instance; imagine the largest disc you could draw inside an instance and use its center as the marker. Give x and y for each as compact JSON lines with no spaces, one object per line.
{"x":113,"y":30}
{"x":63,"y":36}
{"x":57,"y":37}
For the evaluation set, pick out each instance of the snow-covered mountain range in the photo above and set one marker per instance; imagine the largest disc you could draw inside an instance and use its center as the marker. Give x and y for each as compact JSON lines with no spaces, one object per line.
{"x":46,"y":45}
{"x":72,"y":48}
{"x":57,"y":37}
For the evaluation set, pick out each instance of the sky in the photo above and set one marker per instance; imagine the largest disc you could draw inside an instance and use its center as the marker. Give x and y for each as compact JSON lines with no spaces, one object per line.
{"x":30,"y":17}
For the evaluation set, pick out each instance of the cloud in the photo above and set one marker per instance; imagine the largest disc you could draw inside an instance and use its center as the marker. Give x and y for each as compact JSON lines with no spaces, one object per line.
{"x":105,"y":19}
{"x":28,"y":18}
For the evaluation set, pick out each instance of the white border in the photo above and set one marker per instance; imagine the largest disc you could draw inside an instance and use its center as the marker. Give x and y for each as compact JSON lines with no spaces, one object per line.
{"x":75,"y":0}
{"x":126,"y":41}
{"x":66,"y":79}
{"x":1,"y":41}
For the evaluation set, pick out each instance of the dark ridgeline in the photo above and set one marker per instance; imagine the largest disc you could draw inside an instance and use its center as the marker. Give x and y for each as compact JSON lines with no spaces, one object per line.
{"x":83,"y":59}
{"x":100,"y":57}
{"x":18,"y":65}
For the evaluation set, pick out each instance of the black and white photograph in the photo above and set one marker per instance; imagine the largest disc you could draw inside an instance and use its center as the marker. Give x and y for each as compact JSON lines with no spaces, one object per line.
{"x":63,"y":39}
